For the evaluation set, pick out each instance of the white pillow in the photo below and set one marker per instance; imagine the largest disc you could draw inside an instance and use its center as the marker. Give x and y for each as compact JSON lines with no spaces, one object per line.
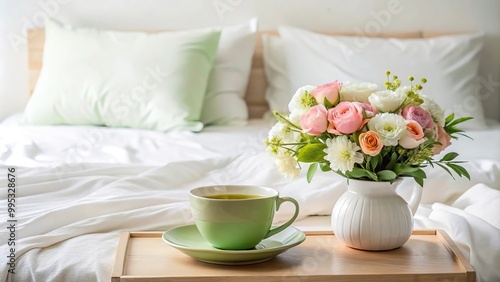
{"x":450,"y":64}
{"x":123,"y":79}
{"x":224,"y":101}
{"x":278,"y":92}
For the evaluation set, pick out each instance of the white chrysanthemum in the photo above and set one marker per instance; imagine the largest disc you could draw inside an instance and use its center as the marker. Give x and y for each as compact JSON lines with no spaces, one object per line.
{"x":278,"y":135}
{"x":387,"y":100}
{"x":276,"y":130}
{"x":299,"y":102}
{"x":288,"y":165}
{"x":437,"y":113}
{"x":342,"y":154}
{"x":389,"y":127}
{"x":283,"y":132}
{"x":294,"y":117}
{"x":357,"y":91}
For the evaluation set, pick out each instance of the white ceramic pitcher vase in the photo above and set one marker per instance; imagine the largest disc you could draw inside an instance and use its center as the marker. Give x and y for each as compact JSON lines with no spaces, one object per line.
{"x":371,"y":216}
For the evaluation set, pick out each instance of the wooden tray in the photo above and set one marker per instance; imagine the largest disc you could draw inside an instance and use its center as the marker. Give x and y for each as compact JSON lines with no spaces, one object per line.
{"x":429,"y":255}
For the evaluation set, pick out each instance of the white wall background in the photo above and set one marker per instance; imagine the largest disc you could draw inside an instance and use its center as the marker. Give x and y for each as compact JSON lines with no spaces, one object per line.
{"x":355,"y":16}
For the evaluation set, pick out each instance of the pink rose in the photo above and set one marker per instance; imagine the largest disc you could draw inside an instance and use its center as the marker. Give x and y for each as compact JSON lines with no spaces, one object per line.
{"x":370,"y":110}
{"x":413,"y":136}
{"x":419,"y":115}
{"x":442,"y":137}
{"x":314,"y":122}
{"x":330,"y":91}
{"x":345,"y":118}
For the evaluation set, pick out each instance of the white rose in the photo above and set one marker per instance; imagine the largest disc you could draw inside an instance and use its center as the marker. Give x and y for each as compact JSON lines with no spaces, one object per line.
{"x":387,"y":100}
{"x":357,"y":92}
{"x":389,"y":127}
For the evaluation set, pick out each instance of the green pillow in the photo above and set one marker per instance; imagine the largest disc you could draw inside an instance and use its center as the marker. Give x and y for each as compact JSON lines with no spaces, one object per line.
{"x":122,"y":79}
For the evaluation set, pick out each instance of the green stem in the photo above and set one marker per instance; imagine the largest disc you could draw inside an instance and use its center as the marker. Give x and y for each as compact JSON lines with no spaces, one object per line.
{"x":283,"y":119}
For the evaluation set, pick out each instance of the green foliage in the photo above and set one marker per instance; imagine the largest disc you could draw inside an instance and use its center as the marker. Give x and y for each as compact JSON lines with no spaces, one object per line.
{"x":386,"y":175}
{"x":450,"y":125}
{"x":359,"y":173}
{"x":312,"y":153}
{"x":311,"y":171}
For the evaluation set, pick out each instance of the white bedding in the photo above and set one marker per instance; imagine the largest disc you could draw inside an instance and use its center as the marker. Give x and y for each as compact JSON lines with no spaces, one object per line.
{"x":78,"y":187}
{"x":52,"y":145}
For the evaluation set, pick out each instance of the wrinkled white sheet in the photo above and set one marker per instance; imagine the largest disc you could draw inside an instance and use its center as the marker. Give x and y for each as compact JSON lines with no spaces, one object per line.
{"x":70,"y":213}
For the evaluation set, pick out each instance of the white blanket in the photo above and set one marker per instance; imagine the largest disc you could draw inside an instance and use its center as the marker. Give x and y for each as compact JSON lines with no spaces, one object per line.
{"x":70,"y":213}
{"x":68,"y":227}
{"x":472,"y":221}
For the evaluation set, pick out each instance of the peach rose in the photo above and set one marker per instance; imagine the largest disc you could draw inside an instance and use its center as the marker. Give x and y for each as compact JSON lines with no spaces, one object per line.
{"x":370,"y":143}
{"x":345,"y":118}
{"x":314,"y":122}
{"x":413,"y":136}
{"x":330,"y":91}
{"x":442,"y":137}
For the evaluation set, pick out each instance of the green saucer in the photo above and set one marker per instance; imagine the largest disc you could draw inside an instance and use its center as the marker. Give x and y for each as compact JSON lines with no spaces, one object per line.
{"x":188,"y":240}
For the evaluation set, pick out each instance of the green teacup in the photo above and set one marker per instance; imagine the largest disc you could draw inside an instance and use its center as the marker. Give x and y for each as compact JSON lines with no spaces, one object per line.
{"x":237,"y":217}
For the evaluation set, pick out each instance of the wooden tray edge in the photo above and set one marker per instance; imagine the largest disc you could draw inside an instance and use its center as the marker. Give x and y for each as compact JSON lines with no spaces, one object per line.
{"x":455,"y":252}
{"x":120,"y":256}
{"x":155,"y":234}
{"x":121,"y":250}
{"x":414,"y":232}
{"x":443,"y":237}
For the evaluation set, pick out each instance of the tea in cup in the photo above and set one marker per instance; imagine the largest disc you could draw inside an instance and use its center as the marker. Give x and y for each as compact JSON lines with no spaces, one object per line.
{"x":237,"y":217}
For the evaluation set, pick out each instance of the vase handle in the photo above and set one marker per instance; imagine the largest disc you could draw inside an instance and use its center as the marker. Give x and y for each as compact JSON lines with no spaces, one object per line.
{"x":416,"y":195}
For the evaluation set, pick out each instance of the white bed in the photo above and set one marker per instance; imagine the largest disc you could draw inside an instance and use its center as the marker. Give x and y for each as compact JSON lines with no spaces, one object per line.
{"x":70,"y":213}
{"x":79,"y":186}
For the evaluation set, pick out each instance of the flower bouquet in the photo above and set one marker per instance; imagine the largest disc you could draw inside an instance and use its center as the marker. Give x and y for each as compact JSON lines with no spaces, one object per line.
{"x":362,"y":133}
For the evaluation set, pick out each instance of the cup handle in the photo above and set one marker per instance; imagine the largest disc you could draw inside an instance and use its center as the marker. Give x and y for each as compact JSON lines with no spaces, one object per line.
{"x":282,"y":227}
